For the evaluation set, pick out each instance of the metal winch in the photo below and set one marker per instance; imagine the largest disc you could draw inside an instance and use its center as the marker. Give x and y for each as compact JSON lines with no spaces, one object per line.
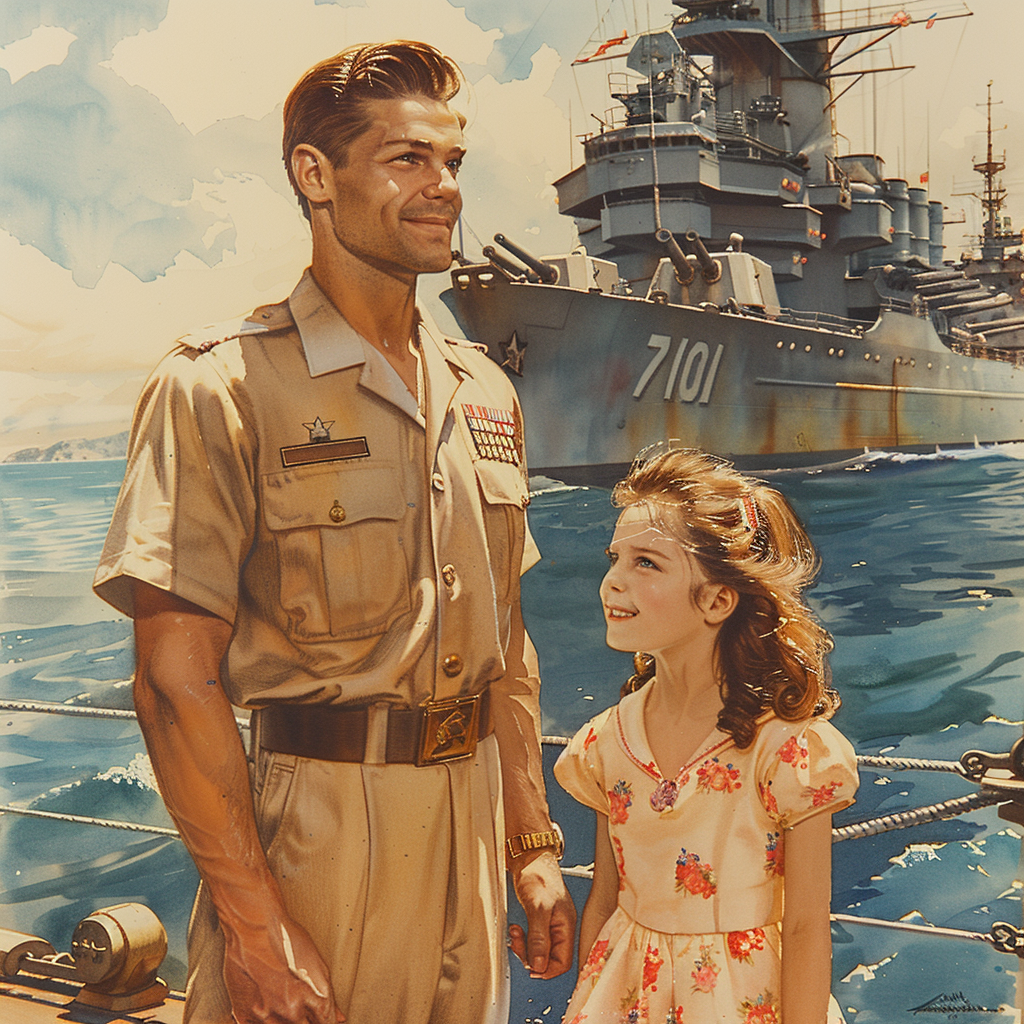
{"x":115,"y":954}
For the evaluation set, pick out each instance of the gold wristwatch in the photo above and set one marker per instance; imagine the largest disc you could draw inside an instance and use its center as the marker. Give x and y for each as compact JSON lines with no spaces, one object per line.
{"x":526,"y":841}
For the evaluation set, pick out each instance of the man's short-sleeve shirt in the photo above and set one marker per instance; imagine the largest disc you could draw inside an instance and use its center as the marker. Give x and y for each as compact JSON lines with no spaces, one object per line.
{"x":362,"y":545}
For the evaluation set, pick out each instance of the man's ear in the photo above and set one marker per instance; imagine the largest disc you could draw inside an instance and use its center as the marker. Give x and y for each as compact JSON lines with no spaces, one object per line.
{"x":311,"y":170}
{"x":717,"y":602}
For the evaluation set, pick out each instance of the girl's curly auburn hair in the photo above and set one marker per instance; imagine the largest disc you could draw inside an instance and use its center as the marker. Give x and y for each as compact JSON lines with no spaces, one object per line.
{"x":771,"y":653}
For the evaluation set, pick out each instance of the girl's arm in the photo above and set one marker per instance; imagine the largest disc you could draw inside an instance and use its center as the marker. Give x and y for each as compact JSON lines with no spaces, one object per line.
{"x":604,"y":891}
{"x":806,"y":934}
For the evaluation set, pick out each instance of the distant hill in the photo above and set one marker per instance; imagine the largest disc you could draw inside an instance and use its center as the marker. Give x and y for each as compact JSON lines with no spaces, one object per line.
{"x":76,"y":450}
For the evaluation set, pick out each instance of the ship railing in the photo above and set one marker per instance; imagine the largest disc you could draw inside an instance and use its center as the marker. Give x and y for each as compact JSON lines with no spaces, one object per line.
{"x":822,"y":321}
{"x":973,"y":766}
{"x":890,"y":304}
{"x":976,"y":350}
{"x":874,"y":826}
{"x":853,"y":17}
{"x":835,"y":174}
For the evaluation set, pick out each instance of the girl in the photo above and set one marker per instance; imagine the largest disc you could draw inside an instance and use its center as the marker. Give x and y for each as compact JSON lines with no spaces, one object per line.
{"x":716,"y":775}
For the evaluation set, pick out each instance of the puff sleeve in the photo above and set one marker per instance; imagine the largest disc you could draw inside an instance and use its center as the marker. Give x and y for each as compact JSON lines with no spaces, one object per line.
{"x":580,"y":769}
{"x":803,"y":769}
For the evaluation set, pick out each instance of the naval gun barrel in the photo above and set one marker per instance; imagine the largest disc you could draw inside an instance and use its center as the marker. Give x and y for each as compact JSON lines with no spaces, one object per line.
{"x":545,"y":271}
{"x":684,"y":272}
{"x":711,"y":269}
{"x":513,"y":270}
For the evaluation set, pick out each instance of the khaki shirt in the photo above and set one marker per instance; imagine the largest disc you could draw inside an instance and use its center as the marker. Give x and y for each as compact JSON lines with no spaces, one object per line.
{"x":363,"y":546}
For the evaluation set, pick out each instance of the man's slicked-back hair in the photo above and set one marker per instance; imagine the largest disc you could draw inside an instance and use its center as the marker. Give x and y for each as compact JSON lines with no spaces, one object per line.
{"x":327,"y":108}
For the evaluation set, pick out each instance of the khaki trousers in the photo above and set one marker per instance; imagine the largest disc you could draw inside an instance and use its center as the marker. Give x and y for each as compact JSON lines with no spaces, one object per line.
{"x":397,"y":874}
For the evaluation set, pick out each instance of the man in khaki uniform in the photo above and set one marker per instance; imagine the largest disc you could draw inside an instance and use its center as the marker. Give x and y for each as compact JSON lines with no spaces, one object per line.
{"x":323,"y":520}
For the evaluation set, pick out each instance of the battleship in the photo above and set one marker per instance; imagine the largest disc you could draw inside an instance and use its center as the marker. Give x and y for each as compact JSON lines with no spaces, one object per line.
{"x":739,"y":284}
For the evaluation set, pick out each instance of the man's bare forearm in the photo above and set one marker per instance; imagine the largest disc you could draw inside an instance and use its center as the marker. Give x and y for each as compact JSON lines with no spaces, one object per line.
{"x":272,"y":971}
{"x":194,"y":745}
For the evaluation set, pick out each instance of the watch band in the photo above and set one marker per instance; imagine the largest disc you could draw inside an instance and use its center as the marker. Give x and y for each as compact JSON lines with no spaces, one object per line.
{"x":524,"y":842}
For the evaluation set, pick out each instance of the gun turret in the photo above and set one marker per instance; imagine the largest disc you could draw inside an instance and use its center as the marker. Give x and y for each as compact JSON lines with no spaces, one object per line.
{"x":711,"y":269}
{"x":684,"y":271}
{"x":544,"y":271}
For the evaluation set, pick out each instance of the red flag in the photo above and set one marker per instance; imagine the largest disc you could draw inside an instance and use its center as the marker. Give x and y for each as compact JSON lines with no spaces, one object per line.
{"x":924,"y":178}
{"x":900,"y":18}
{"x":617,"y":41}
{"x":931,"y":21}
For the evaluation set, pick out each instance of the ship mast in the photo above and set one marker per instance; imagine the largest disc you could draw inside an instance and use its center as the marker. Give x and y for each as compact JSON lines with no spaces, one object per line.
{"x":993,"y":239}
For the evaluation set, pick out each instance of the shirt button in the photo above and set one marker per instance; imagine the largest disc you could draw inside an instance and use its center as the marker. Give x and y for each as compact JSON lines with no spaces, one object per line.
{"x":452,"y":665}
{"x":437,"y":481}
{"x":337,"y":513}
{"x":448,"y":575}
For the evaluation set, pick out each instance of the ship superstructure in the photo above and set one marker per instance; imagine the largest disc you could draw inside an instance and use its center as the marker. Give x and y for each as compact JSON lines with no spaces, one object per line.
{"x":739,"y":284}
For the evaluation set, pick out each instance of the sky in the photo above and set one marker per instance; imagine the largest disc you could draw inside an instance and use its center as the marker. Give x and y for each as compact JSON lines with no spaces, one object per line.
{"x":142,"y":192}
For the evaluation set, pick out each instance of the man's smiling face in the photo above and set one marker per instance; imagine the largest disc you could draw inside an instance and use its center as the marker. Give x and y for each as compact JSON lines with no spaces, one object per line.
{"x":396,"y":198}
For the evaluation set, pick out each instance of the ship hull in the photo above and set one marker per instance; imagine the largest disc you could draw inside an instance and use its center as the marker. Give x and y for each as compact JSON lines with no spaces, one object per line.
{"x":603,"y":375}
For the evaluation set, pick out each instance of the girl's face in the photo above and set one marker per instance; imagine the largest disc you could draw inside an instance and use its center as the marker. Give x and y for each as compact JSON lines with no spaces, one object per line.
{"x":655,"y":597}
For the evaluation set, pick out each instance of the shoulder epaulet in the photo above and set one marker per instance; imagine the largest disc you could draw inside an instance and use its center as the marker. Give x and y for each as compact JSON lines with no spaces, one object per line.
{"x":462,"y":343}
{"x":262,"y":320}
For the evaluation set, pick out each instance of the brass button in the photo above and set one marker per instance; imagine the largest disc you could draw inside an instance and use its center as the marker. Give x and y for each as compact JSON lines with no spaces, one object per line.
{"x":337,"y":513}
{"x":448,"y":575}
{"x":452,"y":665}
{"x":437,"y":481}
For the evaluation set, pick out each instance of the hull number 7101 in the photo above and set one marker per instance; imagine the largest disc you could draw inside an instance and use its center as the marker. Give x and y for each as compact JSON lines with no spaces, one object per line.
{"x":698,"y":369}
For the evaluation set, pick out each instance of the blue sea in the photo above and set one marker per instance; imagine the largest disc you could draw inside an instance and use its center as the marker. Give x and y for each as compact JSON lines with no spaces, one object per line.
{"x":921,"y":586}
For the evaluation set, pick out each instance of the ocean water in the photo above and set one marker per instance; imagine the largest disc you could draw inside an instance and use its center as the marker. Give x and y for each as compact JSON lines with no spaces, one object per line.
{"x":921,"y":584}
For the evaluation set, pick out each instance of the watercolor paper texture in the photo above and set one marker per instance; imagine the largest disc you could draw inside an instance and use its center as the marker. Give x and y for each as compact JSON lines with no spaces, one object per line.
{"x":142,"y":195}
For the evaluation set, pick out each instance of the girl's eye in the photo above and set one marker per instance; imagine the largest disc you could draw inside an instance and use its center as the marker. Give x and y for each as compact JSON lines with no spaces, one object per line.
{"x":645,"y":563}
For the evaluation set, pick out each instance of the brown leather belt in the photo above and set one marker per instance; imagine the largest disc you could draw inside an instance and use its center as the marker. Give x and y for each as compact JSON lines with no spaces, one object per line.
{"x":430,"y":734}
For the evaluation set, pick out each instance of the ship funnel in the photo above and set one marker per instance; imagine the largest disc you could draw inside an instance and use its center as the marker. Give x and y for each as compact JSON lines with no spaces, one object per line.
{"x":547,"y":273}
{"x":711,"y":269}
{"x":684,"y":271}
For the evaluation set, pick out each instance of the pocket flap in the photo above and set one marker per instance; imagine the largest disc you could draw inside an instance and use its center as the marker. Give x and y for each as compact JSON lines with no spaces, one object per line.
{"x":331,"y":497}
{"x":502,"y":483}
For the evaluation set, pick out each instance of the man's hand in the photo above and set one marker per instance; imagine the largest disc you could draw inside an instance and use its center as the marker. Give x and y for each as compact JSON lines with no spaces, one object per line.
{"x":276,"y":976}
{"x":546,"y":950}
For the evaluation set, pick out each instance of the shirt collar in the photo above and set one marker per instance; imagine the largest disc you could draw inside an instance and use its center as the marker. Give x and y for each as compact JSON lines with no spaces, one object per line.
{"x":328,"y":340}
{"x":330,"y":343}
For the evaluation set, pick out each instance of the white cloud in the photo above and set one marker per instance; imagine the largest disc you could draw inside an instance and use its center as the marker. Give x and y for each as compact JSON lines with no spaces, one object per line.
{"x":47,"y":45}
{"x":209,"y":61}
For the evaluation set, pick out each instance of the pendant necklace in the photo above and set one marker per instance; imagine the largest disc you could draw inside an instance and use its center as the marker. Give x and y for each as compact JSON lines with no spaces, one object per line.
{"x":666,"y":792}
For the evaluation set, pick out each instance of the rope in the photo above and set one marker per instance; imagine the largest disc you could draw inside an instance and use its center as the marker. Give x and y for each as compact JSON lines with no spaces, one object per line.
{"x":79,"y":819}
{"x":46,"y":707}
{"x":917,"y":816}
{"x":897,"y":764}
{"x":49,"y":708}
{"x":906,"y":926}
{"x":864,"y":760}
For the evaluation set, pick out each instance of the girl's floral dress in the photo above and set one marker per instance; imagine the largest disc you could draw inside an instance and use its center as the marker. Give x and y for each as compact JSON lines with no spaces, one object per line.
{"x":696,"y":934}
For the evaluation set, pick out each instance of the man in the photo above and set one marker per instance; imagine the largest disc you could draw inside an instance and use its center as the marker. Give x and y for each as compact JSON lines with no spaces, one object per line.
{"x":323,"y":520}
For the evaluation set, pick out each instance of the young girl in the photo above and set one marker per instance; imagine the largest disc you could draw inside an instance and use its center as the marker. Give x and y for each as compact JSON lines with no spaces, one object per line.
{"x":715,"y":777}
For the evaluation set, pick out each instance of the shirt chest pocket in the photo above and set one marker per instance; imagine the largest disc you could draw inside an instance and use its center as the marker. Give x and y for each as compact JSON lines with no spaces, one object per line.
{"x":341,"y":556}
{"x":505,"y":495}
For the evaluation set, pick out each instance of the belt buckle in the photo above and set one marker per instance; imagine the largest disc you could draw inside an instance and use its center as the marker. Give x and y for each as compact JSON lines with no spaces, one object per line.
{"x":448,"y":729}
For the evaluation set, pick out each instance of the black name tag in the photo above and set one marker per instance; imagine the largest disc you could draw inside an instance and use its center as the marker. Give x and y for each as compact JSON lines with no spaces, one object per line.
{"x":325,"y":451}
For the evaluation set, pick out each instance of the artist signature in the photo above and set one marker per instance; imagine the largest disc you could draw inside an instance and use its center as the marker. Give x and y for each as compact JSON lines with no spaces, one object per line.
{"x":952,"y":1004}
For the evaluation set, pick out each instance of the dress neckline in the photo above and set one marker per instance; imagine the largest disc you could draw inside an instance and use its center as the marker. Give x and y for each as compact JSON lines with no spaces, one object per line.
{"x":666,"y":792}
